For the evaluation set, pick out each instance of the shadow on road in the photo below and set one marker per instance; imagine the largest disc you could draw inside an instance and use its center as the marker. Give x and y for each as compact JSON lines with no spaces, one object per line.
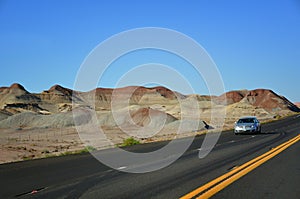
{"x":262,"y":133}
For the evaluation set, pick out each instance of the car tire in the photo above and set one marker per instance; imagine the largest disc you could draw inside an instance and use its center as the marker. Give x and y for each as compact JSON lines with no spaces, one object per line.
{"x":258,"y":130}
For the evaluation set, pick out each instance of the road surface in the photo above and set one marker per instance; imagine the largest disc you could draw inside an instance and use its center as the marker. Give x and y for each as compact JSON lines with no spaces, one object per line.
{"x":82,"y":176}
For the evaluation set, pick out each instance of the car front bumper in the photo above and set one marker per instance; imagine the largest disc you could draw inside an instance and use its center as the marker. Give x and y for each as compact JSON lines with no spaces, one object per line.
{"x":244,"y":129}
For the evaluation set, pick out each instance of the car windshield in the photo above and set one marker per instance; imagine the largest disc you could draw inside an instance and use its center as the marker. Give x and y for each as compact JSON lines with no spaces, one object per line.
{"x":246,"y":120}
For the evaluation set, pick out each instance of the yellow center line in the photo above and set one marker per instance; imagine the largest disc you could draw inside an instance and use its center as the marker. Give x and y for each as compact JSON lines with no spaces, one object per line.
{"x":223,"y":181}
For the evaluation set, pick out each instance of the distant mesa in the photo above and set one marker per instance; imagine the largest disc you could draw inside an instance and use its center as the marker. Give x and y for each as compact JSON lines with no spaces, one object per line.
{"x":297,"y":104}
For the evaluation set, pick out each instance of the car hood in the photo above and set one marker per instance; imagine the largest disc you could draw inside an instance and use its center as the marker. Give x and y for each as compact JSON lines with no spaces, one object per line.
{"x":244,"y":124}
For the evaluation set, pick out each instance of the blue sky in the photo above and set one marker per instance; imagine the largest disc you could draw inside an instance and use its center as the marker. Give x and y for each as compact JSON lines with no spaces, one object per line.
{"x":255,"y":44}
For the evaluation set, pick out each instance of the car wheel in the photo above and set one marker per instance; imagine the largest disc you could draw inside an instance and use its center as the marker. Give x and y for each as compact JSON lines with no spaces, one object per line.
{"x":259,"y":131}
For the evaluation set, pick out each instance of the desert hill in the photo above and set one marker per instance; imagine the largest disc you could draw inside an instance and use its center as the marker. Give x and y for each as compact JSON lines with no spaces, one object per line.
{"x":57,"y":94}
{"x":260,"y":98}
{"x":57,"y":101}
{"x":140,"y":95}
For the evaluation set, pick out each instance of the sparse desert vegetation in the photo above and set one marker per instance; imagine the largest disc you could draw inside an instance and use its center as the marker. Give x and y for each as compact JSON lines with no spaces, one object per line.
{"x":130,"y":142}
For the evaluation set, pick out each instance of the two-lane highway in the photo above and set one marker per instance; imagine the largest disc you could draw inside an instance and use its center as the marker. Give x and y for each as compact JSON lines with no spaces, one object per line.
{"x":81,"y":176}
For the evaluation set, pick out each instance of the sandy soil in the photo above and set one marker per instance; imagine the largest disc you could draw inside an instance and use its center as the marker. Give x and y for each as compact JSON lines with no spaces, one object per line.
{"x":19,"y":144}
{"x":23,"y":144}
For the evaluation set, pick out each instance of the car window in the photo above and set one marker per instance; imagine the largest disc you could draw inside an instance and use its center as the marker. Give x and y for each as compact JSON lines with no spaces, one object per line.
{"x":246,"y":120}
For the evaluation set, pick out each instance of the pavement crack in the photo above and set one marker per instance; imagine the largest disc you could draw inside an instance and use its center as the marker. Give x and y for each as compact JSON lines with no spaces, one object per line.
{"x":32,"y":192}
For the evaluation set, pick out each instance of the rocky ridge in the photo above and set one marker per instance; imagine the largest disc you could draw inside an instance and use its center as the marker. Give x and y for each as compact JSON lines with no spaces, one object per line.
{"x":59,"y":103}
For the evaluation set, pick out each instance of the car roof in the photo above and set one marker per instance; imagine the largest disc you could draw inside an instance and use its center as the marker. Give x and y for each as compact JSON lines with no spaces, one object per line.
{"x":245,"y":117}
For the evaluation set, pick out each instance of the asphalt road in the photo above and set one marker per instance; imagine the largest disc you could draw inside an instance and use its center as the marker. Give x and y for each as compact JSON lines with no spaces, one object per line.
{"x":82,"y":176}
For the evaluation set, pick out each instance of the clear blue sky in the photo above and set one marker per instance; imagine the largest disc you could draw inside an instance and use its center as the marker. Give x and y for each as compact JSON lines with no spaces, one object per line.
{"x":254,"y":43}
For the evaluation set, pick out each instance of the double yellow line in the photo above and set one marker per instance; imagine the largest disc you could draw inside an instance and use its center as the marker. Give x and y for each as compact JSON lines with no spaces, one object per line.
{"x":216,"y":185}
